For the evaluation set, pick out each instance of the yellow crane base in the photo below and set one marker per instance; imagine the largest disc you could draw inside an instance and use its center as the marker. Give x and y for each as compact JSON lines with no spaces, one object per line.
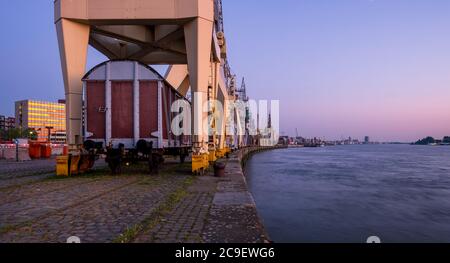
{"x":212,"y":156}
{"x":68,"y":165}
{"x":200,"y":163}
{"x":62,"y":165}
{"x":221,"y":153}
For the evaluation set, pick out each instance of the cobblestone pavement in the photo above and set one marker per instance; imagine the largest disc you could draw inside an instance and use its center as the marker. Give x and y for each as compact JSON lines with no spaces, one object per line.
{"x":171,"y":207}
{"x":185,"y":223}
{"x":19,"y":173}
{"x":213,"y":210}
{"x":16,"y":173}
{"x":95,"y":207}
{"x":10,"y":169}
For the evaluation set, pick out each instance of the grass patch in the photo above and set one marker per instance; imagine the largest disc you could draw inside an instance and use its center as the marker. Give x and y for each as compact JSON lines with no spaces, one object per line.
{"x":129,"y":234}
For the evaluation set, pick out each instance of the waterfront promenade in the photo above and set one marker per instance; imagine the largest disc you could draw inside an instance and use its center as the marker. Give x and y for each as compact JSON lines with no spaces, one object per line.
{"x":171,"y":207}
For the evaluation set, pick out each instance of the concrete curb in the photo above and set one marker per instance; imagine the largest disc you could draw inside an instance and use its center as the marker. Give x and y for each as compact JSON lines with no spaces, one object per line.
{"x":234,"y":209}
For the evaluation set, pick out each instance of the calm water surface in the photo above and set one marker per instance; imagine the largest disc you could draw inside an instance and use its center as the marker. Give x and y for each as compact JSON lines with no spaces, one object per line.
{"x":400,"y":193}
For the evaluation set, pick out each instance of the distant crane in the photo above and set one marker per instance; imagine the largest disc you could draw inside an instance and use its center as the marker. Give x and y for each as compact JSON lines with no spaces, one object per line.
{"x":242,"y":91}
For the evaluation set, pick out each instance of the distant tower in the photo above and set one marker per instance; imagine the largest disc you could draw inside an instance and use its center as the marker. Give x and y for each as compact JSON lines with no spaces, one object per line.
{"x":366,"y":140}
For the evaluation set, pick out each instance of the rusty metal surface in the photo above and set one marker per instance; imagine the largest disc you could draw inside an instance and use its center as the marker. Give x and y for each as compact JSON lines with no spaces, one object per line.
{"x":148,"y":108}
{"x":122,"y":109}
{"x":95,"y":93}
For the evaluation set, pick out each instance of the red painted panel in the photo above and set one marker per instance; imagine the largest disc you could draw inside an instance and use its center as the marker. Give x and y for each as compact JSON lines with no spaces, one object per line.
{"x":122,"y":109}
{"x":148,"y":108}
{"x":95,"y":96}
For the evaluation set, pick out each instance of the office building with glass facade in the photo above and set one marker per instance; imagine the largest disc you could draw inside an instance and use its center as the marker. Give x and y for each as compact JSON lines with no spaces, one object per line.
{"x":48,"y":119}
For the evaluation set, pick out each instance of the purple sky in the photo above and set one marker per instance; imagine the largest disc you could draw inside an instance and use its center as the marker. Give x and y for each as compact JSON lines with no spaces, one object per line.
{"x":339,"y":67}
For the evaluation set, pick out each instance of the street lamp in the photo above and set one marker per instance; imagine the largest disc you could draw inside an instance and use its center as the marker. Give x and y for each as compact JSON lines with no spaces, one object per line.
{"x":32,"y":132}
{"x":49,"y":128}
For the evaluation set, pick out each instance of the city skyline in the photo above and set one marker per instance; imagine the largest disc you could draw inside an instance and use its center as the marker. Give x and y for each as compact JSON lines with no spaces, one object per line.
{"x":353,"y":68}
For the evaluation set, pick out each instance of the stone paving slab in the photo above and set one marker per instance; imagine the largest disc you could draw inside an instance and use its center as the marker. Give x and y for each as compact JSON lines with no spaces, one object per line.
{"x":233,"y":198}
{"x":233,"y":217}
{"x":234,"y":224}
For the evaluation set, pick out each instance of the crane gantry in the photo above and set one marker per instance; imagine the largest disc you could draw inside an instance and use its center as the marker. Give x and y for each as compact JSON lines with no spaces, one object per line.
{"x":188,"y":35}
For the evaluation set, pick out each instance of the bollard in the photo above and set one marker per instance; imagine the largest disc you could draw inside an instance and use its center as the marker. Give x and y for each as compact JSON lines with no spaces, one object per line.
{"x":219,"y":169}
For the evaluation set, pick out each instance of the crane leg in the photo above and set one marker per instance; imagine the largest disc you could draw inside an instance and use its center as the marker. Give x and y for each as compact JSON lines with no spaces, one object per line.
{"x":73,"y":39}
{"x":198,"y":44}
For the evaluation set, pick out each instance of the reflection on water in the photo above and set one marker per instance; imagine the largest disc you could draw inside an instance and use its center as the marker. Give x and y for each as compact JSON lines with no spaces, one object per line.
{"x":400,"y":193}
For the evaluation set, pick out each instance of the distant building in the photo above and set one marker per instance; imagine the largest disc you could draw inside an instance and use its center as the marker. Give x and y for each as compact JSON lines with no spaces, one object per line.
{"x":7,"y":123}
{"x":10,"y":123}
{"x":43,"y":117}
{"x":366,"y":140}
{"x":58,"y":137}
{"x":2,"y":122}
{"x":284,"y":140}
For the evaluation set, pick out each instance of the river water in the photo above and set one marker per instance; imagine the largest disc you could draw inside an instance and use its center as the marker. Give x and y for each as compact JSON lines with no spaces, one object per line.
{"x":400,"y":193}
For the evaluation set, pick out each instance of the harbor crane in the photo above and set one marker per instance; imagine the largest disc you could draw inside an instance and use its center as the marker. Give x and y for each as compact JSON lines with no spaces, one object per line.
{"x":188,"y":35}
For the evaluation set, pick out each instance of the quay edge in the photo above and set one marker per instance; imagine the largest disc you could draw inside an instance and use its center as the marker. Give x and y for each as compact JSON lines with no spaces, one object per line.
{"x":233,"y":212}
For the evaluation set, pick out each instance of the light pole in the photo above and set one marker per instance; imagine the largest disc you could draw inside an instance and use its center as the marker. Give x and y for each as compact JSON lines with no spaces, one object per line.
{"x":49,"y":128}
